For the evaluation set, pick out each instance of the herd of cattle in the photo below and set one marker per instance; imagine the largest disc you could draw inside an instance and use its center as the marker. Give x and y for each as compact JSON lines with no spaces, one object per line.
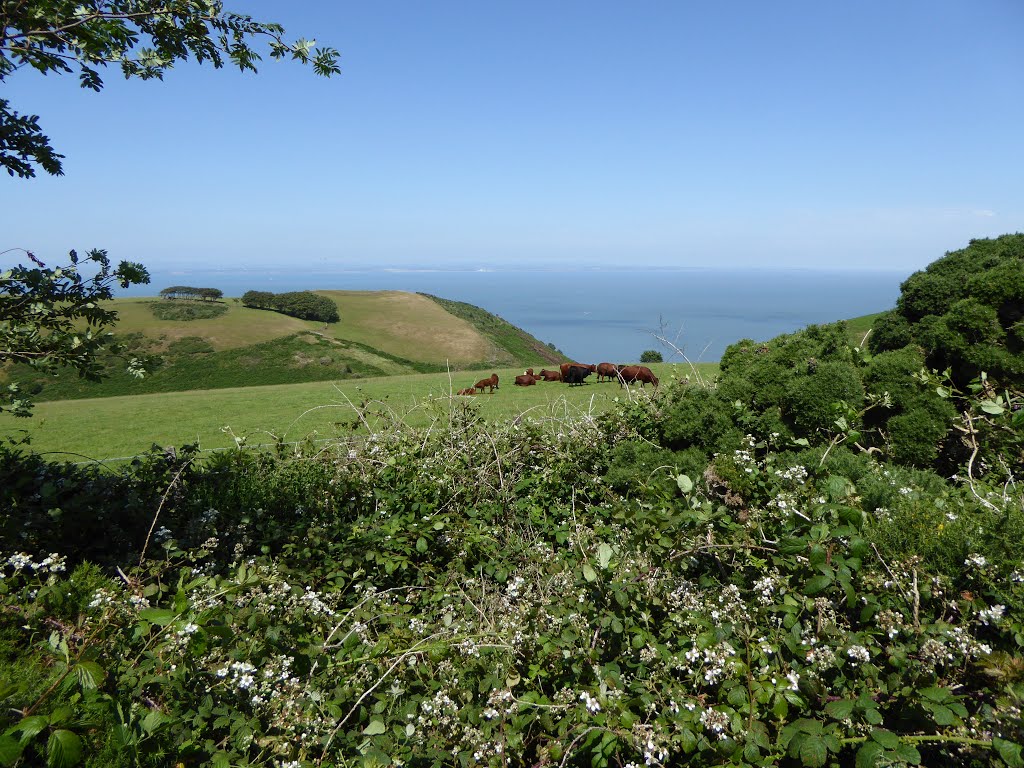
{"x":573,"y":373}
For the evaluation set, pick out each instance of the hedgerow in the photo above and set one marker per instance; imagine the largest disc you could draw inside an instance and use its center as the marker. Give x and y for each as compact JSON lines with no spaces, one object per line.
{"x":479,"y":594}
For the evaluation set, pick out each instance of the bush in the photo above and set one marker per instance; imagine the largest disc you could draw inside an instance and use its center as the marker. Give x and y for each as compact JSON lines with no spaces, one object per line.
{"x":304,"y":305}
{"x":651,"y":356}
{"x":814,"y":401}
{"x":183,"y":310}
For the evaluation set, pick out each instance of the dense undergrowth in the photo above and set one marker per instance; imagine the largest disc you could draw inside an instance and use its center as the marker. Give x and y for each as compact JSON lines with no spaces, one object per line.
{"x":520,"y":594}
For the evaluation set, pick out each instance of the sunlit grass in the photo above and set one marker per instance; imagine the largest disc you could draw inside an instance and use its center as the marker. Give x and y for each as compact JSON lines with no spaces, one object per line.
{"x":116,"y":427}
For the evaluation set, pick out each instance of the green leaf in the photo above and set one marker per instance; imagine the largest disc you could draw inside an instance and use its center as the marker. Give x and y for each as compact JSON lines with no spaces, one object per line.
{"x":813,"y":752}
{"x":421,"y":544}
{"x":1008,"y":751}
{"x":604,"y":555}
{"x":89,"y":674}
{"x":685,"y":483}
{"x":221,"y":760}
{"x":908,"y":753}
{"x":867,"y":755}
{"x":29,"y":727}
{"x":943,"y":715}
{"x":10,"y":750}
{"x":375,"y":728}
{"x":991,"y":407}
{"x":153,"y":720}
{"x":887,"y":739}
{"x":64,"y":749}
{"x":589,"y":573}
{"x":818,"y":584}
{"x":839,"y":710}
{"x":159,"y":616}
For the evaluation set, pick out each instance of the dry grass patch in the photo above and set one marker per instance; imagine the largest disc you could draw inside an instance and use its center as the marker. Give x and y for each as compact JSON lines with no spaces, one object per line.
{"x":406,"y":325}
{"x":238,"y":327}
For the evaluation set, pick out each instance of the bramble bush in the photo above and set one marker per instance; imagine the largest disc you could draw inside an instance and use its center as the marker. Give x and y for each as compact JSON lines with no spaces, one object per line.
{"x":478,"y":594}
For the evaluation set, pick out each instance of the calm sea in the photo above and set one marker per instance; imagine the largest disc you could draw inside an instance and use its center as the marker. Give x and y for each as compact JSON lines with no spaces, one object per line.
{"x":606,"y":315}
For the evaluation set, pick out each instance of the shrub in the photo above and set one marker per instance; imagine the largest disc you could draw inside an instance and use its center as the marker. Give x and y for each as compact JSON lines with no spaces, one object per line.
{"x":813,"y":402}
{"x":692,"y":416}
{"x":890,"y":331}
{"x":184,"y":311}
{"x":651,"y":356}
{"x":304,"y":305}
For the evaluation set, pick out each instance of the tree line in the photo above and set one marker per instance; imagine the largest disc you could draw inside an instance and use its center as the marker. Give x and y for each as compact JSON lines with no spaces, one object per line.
{"x":304,"y":305}
{"x":188,"y":292}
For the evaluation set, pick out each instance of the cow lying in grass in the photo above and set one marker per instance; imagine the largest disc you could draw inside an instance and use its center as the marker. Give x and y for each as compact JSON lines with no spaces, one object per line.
{"x":468,"y":391}
{"x":525,"y":380}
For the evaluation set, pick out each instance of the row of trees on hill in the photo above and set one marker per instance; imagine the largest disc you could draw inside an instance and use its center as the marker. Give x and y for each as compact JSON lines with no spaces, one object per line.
{"x":195,"y":294}
{"x":304,"y":305}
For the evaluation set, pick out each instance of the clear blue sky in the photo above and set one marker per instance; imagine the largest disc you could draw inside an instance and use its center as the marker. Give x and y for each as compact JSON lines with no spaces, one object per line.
{"x":811,"y":133}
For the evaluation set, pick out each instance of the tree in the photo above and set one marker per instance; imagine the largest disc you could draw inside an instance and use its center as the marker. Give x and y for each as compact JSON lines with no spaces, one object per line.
{"x":651,"y":356}
{"x":59,"y":36}
{"x":51,"y":318}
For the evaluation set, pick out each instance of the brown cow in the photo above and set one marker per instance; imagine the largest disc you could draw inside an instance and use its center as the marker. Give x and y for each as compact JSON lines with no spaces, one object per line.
{"x":630,"y":374}
{"x":491,"y":382}
{"x":607,"y":371}
{"x":529,"y":372}
{"x":525,"y":380}
{"x":468,"y":391}
{"x":547,"y":375}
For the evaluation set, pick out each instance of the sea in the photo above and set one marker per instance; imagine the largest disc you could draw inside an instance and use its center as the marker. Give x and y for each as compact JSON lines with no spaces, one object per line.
{"x":603,"y":315}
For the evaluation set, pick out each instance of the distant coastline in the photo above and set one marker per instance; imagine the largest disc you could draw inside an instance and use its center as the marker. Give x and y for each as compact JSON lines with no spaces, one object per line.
{"x":596,"y":314}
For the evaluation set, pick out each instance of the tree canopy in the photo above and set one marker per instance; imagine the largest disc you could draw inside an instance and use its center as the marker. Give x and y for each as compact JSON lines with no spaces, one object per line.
{"x":144,"y":38}
{"x":50,"y":317}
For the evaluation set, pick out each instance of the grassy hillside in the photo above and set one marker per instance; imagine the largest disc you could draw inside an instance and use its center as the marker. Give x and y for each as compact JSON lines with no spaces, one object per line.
{"x":503,"y":334}
{"x":124,"y":426}
{"x":381,"y":333}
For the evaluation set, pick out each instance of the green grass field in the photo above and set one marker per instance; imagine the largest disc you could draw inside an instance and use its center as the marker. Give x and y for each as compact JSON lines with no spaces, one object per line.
{"x":118,"y":427}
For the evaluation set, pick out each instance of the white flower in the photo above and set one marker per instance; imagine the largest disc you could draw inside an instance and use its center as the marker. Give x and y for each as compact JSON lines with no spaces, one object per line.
{"x":593,"y":705}
{"x":858,"y":653}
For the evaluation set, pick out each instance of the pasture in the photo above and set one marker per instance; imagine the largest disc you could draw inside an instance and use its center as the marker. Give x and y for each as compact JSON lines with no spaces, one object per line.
{"x":119,"y":427}
{"x":399,"y":323}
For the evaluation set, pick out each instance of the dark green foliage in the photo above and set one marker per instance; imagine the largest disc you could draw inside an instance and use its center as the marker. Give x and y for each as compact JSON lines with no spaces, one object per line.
{"x":189,"y":345}
{"x":651,"y":356}
{"x":813,"y":401}
{"x":963,"y":310}
{"x":893,"y":373}
{"x":304,"y":305}
{"x":185,"y":310}
{"x":696,"y":417}
{"x":915,"y":435}
{"x":53,"y":318}
{"x":928,"y":293}
{"x":891,"y":330}
{"x":635,"y":465}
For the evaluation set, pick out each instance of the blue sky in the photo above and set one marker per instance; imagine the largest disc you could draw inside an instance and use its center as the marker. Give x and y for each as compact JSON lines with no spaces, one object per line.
{"x":871,"y":134}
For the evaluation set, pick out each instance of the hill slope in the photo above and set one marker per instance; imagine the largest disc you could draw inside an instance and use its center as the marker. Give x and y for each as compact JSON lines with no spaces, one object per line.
{"x":381,"y":333}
